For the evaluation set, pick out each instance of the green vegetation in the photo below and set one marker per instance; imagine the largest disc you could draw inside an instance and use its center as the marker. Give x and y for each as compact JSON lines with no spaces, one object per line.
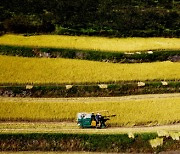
{"x":88,"y":90}
{"x":139,"y":143}
{"x":122,"y":18}
{"x":115,"y":57}
{"x":158,"y":111}
{"x":76,"y":142}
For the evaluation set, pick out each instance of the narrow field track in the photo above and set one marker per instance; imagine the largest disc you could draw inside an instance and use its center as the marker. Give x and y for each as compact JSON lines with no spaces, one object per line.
{"x":65,"y":127}
{"x":89,"y":99}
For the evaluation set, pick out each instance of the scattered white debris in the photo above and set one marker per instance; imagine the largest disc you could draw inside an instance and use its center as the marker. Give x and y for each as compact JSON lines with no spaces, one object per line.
{"x":150,"y":52}
{"x":164,"y":83}
{"x":138,"y":53}
{"x":103,"y":86}
{"x":162,"y":133}
{"x":141,"y":84}
{"x":129,"y":53}
{"x":29,"y":86}
{"x":69,"y":86}
{"x":175,"y":136}
{"x":156,"y":142}
{"x":130,"y":135}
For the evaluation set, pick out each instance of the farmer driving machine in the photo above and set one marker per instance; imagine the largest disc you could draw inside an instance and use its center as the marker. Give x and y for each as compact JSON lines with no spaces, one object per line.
{"x":92,"y":120}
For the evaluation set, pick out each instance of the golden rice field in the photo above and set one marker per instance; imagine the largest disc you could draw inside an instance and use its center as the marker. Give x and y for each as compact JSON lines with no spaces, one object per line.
{"x":155,"y":111}
{"x":44,"y":70}
{"x":92,"y":43}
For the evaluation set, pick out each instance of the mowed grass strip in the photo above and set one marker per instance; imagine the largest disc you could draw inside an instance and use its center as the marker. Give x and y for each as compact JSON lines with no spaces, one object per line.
{"x":36,"y":70}
{"x":157,"y":111}
{"x":92,"y":43}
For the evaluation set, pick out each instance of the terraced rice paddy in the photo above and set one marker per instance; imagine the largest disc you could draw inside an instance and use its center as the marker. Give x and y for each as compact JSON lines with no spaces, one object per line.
{"x":146,"y":111}
{"x":92,"y":43}
{"x":154,"y":111}
{"x":59,"y":115}
{"x":34,"y":70}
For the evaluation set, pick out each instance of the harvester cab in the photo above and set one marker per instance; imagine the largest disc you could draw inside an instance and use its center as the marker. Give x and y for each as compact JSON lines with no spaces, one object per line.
{"x":92,"y":120}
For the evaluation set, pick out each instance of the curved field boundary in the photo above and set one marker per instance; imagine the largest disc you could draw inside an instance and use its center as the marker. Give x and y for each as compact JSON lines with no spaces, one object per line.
{"x":104,"y":56}
{"x":92,"y":43}
{"x":90,"y":90}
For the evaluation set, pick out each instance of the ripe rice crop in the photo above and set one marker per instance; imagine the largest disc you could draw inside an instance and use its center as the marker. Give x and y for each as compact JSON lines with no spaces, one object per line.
{"x":92,"y":43}
{"x":43,"y":70}
{"x":155,"y":111}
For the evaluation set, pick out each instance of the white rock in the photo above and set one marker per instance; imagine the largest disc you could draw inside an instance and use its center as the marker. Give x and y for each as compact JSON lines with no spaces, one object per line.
{"x":130,"y":135}
{"x":129,"y":53}
{"x":163,"y":133}
{"x":103,"y":86}
{"x":156,"y":142}
{"x":29,"y":86}
{"x":164,"y":83}
{"x":150,"y":52}
{"x":69,"y":86}
{"x":175,"y":136}
{"x":141,"y":84}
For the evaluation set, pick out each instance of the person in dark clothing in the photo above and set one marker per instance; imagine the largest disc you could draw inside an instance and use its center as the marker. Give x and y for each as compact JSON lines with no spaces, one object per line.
{"x":102,"y":121}
{"x":98,"y":119}
{"x":93,"y":117}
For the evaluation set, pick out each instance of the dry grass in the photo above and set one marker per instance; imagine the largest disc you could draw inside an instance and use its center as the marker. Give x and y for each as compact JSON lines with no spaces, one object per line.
{"x":92,"y":43}
{"x":157,"y":111}
{"x":34,"y":70}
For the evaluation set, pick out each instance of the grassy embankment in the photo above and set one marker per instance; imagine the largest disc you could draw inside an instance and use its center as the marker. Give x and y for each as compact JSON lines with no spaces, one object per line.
{"x":157,"y":111}
{"x":92,"y":43}
{"x":81,"y":142}
{"x":34,"y":70}
{"x":126,"y":143}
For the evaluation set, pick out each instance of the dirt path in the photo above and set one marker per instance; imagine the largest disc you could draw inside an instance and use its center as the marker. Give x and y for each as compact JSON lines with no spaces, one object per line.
{"x":65,"y":127}
{"x":89,"y":99}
